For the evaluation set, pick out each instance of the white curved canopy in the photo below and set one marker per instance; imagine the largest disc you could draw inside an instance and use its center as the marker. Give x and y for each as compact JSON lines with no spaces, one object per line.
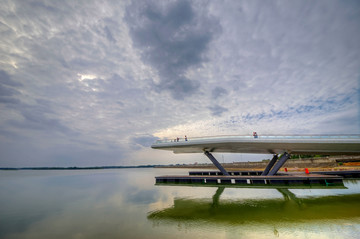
{"x":295,"y":144}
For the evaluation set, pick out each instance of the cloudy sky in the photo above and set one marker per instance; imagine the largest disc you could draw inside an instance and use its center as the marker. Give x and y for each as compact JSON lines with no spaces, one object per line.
{"x":86,"y":83}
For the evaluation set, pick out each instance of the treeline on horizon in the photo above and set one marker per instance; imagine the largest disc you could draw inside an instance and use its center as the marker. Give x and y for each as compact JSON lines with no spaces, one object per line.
{"x":298,"y":156}
{"x":78,"y":168}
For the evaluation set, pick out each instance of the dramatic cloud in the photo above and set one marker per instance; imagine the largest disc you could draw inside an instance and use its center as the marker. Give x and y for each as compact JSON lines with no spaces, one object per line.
{"x":95,"y":83}
{"x":172,"y":39}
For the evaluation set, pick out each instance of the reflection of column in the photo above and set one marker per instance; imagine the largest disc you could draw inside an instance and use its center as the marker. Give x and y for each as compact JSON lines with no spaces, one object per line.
{"x":217,"y":195}
{"x":289,"y":195}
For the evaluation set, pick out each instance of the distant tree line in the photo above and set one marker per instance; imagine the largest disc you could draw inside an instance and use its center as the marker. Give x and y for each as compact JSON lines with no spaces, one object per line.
{"x":81,"y":168}
{"x":305,"y":156}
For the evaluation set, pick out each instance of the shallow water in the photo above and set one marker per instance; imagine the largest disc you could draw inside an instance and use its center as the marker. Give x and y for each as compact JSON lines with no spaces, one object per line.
{"x":125,"y":203}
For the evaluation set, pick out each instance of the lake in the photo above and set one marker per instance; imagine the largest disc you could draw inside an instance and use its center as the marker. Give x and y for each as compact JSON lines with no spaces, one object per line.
{"x":125,"y":203}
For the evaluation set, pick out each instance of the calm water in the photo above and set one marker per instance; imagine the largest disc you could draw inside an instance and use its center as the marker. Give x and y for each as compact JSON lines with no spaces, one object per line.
{"x":125,"y":203}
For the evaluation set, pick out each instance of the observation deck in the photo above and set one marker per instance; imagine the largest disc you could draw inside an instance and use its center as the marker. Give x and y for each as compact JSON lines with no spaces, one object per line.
{"x":265,"y":144}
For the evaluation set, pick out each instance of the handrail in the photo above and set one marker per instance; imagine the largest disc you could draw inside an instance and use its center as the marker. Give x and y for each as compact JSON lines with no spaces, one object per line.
{"x":309,"y":136}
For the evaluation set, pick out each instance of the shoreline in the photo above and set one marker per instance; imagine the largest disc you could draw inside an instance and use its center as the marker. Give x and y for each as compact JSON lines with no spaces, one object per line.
{"x":333,"y":163}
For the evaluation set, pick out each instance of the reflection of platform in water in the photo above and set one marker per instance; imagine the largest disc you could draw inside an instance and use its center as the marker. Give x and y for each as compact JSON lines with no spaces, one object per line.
{"x":287,"y":181}
{"x":290,"y":209}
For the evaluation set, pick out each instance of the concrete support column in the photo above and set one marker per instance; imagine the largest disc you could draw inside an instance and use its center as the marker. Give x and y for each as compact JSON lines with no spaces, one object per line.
{"x":270,"y":165}
{"x":216,"y":163}
{"x":280,"y":163}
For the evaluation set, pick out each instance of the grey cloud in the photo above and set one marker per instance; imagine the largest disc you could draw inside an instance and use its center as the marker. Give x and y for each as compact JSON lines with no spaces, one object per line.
{"x":68,"y":155}
{"x":172,"y":39}
{"x":8,"y":89}
{"x":117,"y":84}
{"x":181,"y":87}
{"x":116,"y":87}
{"x":80,"y":62}
{"x":10,"y":134}
{"x":218,"y":92}
{"x":8,"y":100}
{"x":5,"y":79}
{"x":144,"y":141}
{"x":39,"y":116}
{"x":217,"y":110}
{"x":238,"y":83}
{"x":109,"y":35}
{"x":43,"y":7}
{"x":36,"y":121}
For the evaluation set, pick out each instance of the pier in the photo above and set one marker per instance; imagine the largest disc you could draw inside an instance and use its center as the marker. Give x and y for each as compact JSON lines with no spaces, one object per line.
{"x":281,"y":147}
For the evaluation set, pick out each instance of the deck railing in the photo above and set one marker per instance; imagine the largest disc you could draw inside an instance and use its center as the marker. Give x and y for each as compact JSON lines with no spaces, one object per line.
{"x":349,"y":136}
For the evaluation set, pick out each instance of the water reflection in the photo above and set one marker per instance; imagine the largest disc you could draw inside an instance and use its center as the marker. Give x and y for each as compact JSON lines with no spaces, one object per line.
{"x":126,"y":204}
{"x":289,"y":209}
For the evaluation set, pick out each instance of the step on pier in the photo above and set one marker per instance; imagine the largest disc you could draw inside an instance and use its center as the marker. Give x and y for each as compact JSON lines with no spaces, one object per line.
{"x":248,"y":181}
{"x":216,"y":173}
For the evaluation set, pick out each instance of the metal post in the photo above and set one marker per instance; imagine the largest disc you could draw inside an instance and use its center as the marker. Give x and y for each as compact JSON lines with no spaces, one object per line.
{"x":270,"y":165}
{"x":280,"y":163}
{"x":216,"y":163}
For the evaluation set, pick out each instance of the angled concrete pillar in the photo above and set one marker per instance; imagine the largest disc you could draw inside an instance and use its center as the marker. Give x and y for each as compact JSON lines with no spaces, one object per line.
{"x":270,"y":165}
{"x":216,"y":163}
{"x":280,"y":163}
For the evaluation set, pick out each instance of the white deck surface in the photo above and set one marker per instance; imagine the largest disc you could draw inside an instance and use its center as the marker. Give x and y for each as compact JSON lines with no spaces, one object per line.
{"x":295,"y":144}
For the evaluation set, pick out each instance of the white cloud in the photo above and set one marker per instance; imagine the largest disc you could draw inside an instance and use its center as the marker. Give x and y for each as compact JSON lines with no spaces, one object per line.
{"x":82,"y":77}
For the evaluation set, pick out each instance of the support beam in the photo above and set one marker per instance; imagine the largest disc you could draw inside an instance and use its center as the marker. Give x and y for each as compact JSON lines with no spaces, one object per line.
{"x":280,"y":163}
{"x":216,"y":163}
{"x":270,"y":165}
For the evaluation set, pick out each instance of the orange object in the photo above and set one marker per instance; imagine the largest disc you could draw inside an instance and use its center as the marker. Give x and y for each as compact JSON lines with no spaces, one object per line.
{"x":285,"y":169}
{"x":307,"y":171}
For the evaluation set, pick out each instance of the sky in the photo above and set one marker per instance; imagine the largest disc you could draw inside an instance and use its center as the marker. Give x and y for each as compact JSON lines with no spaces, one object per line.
{"x":89,"y":83}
